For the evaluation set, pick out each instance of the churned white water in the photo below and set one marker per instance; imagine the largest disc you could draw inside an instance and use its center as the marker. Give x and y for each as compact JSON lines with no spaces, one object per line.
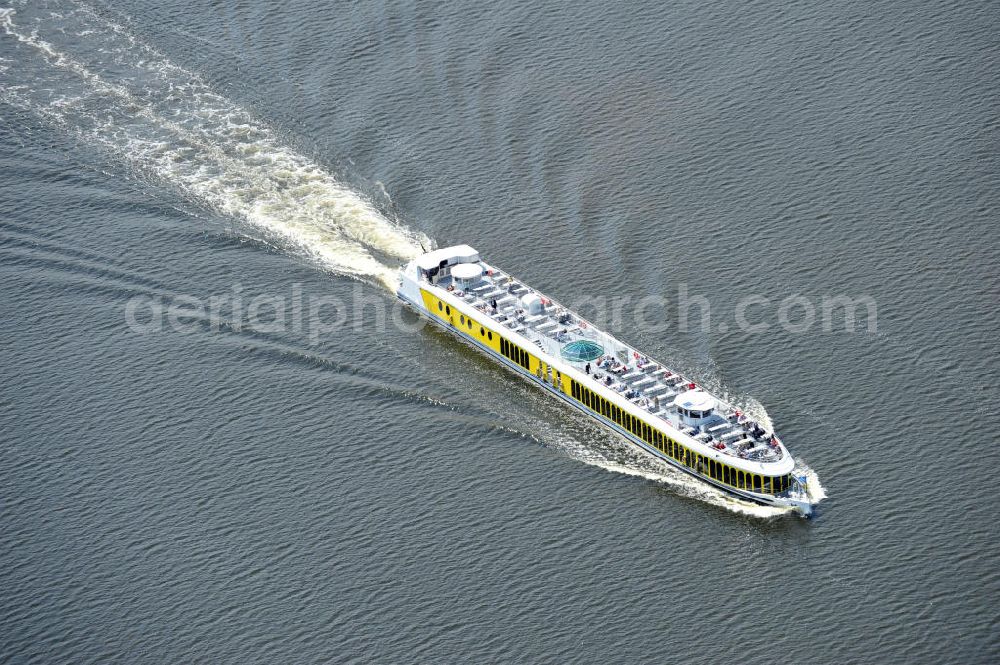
{"x":167,"y":124}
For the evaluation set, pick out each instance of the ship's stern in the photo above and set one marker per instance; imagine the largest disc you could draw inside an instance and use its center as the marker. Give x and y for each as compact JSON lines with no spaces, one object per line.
{"x":408,"y":288}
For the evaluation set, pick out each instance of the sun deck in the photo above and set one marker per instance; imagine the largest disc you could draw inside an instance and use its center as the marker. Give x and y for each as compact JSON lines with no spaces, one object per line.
{"x":606,"y":361}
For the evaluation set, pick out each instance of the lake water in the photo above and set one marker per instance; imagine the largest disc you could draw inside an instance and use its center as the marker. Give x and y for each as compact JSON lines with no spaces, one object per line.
{"x":349,"y":486}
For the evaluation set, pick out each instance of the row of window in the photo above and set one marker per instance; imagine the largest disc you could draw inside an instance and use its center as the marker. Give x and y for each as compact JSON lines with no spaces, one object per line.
{"x":512,"y":351}
{"x":706,"y":466}
{"x":483,"y":332}
{"x":515,"y":353}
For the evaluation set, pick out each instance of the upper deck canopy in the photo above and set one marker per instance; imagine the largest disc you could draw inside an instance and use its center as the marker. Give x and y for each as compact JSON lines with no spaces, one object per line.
{"x":448,"y":256}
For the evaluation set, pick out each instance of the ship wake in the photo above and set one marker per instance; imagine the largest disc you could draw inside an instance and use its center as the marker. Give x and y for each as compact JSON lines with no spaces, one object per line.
{"x":92,"y":77}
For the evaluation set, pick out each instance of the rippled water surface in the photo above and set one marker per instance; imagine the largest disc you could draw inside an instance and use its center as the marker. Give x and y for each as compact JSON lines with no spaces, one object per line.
{"x":219,"y":492}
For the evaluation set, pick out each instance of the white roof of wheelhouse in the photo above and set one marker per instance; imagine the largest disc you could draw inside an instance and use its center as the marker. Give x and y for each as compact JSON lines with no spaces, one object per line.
{"x":695,"y":400}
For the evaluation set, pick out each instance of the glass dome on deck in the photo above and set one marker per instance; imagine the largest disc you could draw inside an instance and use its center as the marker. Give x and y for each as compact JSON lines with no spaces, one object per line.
{"x":582,"y":350}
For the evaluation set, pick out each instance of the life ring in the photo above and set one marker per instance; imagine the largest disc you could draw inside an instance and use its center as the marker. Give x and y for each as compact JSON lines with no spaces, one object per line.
{"x":583,"y":324}
{"x":691,"y":386}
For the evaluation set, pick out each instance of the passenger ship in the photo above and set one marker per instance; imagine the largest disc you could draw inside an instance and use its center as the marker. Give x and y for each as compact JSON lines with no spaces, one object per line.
{"x":655,"y":408}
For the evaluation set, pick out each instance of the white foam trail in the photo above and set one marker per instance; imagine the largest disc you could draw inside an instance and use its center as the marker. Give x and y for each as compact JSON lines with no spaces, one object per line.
{"x":167,"y":124}
{"x":816,"y":490}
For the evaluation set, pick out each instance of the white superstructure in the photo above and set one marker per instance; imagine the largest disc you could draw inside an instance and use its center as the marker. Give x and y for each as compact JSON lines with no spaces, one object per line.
{"x":654,"y":407}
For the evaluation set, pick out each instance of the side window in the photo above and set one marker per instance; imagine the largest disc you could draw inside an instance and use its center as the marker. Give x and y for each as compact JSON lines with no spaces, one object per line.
{"x":440,"y":305}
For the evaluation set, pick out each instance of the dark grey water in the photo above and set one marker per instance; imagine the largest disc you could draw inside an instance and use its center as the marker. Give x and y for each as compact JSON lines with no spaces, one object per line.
{"x":237,"y":495}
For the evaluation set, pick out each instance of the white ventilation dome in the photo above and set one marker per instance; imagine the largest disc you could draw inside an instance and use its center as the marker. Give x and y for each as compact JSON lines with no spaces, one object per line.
{"x":532,"y":303}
